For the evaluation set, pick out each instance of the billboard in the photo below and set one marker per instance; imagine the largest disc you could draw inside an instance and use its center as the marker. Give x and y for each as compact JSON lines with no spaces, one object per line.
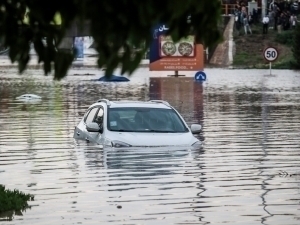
{"x":79,"y":46}
{"x":165,"y":54}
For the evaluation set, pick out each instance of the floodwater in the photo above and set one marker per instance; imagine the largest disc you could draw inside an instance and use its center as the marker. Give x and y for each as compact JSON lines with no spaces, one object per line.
{"x":247,"y":172}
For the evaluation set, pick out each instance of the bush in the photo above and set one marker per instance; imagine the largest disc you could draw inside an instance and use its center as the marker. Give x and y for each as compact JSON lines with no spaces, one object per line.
{"x":13,"y":200}
{"x":285,"y":37}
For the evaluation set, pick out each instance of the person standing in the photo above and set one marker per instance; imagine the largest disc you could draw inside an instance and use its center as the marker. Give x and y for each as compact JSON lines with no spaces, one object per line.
{"x":280,"y":23}
{"x":237,"y":19}
{"x":276,"y":14}
{"x":245,"y":20}
{"x":293,"y":21}
{"x":265,"y":21}
{"x":295,"y":6}
{"x":246,"y":25}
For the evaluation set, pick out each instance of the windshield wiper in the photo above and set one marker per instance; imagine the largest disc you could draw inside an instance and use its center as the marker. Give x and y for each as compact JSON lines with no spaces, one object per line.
{"x":122,"y":130}
{"x":146,"y":131}
{"x":161,"y":131}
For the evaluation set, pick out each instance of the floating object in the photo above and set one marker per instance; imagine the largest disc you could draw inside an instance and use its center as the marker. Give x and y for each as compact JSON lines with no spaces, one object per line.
{"x":29,"y":97}
{"x":112,"y":78}
{"x":88,"y":74}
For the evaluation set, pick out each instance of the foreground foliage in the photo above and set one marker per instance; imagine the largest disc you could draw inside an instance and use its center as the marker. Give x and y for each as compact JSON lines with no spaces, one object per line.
{"x":13,"y":200}
{"x":114,"y":25}
{"x":296,"y":47}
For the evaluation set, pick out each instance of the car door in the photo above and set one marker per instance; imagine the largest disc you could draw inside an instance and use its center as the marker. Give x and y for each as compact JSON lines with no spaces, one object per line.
{"x":81,"y":131}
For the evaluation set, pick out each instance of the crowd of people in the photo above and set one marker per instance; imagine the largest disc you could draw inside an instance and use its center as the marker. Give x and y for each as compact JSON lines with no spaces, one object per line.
{"x":283,"y":14}
{"x":243,"y":18}
{"x":279,"y":15}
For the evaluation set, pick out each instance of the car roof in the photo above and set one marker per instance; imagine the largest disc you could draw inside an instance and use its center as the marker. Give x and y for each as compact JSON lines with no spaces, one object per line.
{"x":145,"y":104}
{"x":119,"y":104}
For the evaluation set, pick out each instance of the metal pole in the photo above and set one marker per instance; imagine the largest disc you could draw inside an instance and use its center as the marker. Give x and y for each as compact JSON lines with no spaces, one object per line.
{"x":176,"y":73}
{"x":264,"y":7}
{"x":270,"y":68}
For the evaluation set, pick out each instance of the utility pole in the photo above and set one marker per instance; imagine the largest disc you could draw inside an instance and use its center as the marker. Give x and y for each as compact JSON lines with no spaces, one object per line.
{"x":264,"y":7}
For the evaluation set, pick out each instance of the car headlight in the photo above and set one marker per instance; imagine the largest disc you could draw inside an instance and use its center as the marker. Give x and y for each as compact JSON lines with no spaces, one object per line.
{"x":119,"y":144}
{"x":197,"y":144}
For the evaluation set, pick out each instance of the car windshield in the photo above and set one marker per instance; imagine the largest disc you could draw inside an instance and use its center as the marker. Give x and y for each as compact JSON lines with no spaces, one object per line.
{"x":136,"y":119}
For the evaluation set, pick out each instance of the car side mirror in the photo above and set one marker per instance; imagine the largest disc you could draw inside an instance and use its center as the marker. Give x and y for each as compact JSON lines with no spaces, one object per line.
{"x":196,"y":128}
{"x":93,"y":127}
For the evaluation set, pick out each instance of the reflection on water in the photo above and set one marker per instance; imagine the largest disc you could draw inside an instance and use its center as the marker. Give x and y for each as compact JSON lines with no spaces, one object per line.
{"x":246,"y":173}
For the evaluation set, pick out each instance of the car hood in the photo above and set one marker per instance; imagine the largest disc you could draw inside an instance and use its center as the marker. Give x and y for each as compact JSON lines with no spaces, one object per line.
{"x":153,"y":139}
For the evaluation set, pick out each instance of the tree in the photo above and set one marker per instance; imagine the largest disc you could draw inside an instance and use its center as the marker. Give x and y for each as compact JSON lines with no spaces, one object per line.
{"x":114,"y":25}
{"x":296,"y":48}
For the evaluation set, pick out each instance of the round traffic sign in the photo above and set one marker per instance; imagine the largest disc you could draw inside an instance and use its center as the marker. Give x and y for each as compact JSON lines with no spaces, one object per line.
{"x":270,"y":54}
{"x":200,"y":76}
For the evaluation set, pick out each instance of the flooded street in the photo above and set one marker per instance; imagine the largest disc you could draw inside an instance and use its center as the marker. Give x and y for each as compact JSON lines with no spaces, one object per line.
{"x":247,"y":172}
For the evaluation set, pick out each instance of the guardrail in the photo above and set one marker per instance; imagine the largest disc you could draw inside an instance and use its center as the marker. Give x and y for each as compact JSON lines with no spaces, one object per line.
{"x":228,"y":9}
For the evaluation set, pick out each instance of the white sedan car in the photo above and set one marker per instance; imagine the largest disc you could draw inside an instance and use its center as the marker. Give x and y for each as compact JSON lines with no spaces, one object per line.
{"x":135,"y":124}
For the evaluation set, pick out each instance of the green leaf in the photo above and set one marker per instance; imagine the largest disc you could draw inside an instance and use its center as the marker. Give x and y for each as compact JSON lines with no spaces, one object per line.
{"x":63,"y":61}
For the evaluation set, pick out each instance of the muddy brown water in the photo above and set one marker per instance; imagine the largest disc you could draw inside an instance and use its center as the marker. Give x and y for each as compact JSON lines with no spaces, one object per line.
{"x":247,"y":172}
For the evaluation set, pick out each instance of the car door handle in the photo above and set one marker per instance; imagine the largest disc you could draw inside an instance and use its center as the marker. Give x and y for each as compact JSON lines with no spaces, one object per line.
{"x":78,"y":133}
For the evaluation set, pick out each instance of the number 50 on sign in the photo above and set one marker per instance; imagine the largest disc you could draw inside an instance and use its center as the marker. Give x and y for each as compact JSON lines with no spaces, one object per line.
{"x":271,"y":54}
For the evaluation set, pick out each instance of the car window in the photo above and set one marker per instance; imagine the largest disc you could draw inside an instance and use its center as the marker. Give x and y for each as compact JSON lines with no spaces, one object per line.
{"x":137,"y":119}
{"x":91,"y":115}
{"x":99,"y":117}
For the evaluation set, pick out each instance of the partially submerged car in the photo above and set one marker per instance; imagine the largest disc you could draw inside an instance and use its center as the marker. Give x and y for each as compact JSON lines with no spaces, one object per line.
{"x":29,"y":98}
{"x":135,"y":124}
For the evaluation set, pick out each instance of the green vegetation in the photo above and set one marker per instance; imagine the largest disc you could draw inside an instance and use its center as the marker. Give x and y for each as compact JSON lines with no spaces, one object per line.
{"x":285,"y":38}
{"x":249,"y":48}
{"x":115,"y":26}
{"x":13,"y":200}
{"x":296,"y":48}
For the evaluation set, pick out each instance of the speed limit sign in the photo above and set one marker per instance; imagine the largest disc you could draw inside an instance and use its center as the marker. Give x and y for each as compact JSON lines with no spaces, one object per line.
{"x":270,"y":54}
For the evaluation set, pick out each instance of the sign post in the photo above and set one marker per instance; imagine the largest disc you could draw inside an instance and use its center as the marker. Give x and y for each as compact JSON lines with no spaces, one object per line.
{"x":270,"y":54}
